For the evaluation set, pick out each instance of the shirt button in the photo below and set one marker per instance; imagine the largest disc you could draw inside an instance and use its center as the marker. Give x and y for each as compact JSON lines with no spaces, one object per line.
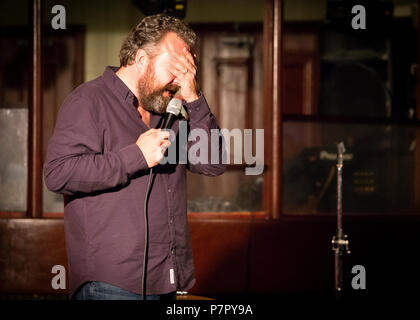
{"x":171,"y":220}
{"x":173,"y":251}
{"x":169,"y":190}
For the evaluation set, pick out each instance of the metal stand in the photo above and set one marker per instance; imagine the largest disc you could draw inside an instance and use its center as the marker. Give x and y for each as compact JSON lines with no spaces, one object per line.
{"x":340,"y":242}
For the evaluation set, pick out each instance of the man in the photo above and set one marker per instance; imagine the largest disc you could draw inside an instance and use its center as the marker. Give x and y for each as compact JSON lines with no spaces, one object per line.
{"x":99,"y":157}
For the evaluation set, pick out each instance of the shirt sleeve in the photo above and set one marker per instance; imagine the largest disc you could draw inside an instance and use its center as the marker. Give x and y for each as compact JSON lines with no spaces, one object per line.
{"x":200,"y":117}
{"x":75,"y":161}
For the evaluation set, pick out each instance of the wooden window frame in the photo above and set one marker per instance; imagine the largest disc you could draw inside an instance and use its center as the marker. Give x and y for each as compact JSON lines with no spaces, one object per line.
{"x":313,"y":117}
{"x":272,"y":36}
{"x":34,"y":195}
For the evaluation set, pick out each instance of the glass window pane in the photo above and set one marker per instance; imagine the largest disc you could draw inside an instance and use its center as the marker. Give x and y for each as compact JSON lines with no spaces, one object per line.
{"x":335,"y":64}
{"x":232,"y":191}
{"x":380,"y":170}
{"x":14,"y":92}
{"x":13,"y":159}
{"x":231,"y":79}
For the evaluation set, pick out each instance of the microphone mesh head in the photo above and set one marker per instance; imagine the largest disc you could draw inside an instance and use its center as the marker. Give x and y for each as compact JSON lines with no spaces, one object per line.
{"x":174,"y":106}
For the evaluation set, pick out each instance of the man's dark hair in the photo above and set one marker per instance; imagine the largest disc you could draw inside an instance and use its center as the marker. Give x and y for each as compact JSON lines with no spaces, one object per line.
{"x":149,"y":32}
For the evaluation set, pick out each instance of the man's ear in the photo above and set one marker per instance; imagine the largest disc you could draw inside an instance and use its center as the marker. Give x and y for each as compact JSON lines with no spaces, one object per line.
{"x":141,"y":60}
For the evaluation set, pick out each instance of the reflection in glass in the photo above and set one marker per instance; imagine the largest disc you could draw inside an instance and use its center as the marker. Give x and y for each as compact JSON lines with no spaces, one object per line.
{"x":13,"y":159}
{"x":366,"y":80}
{"x":14,"y":97}
{"x":235,"y":192}
{"x":379,"y":169}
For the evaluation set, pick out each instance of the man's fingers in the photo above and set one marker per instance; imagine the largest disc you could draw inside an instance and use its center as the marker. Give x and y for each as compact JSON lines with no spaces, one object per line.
{"x":177,"y":65}
{"x":185,"y":58}
{"x":183,"y":64}
{"x":163,"y":149}
{"x":189,"y":56}
{"x":181,"y":72}
{"x":165,"y":144}
{"x":177,"y":73}
{"x":164,"y":134}
{"x":151,"y":131}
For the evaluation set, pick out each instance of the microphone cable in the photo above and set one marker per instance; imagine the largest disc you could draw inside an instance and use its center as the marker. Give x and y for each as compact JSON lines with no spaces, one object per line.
{"x":146,"y":233}
{"x":173,"y":109}
{"x":146,"y":230}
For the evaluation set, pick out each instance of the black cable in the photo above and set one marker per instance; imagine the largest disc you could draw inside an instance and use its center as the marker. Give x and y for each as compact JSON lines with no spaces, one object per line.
{"x":146,"y":235}
{"x":146,"y":218}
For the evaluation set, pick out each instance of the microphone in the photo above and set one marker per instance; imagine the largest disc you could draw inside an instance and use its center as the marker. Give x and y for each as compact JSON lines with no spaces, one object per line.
{"x":172,"y":112}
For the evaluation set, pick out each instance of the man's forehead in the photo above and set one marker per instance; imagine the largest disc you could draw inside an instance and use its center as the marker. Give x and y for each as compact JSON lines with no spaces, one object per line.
{"x":171,"y":42}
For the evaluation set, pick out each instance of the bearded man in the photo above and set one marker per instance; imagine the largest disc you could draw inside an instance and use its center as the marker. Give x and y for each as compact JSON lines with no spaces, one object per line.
{"x":99,"y":157}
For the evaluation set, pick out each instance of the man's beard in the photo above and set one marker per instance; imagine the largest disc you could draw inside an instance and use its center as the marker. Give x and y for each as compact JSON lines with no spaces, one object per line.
{"x":152,"y":99}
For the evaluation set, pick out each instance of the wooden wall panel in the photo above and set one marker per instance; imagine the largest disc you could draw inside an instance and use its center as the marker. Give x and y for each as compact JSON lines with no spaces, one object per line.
{"x":29,"y":248}
{"x":291,"y":256}
{"x":221,"y":255}
{"x":241,"y":255}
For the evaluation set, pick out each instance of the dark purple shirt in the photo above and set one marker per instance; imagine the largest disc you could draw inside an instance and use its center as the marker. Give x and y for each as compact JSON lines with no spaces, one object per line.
{"x":94,"y":161}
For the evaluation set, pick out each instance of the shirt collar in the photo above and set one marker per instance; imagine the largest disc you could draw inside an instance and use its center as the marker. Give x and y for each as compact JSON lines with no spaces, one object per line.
{"x":116,"y":84}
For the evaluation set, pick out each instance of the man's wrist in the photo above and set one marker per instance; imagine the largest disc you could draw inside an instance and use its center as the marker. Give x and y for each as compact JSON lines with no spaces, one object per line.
{"x":197,"y":109}
{"x":191,"y":98}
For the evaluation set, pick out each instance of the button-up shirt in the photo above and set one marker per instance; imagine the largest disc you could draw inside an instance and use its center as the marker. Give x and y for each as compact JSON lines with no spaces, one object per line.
{"x":93,"y":160}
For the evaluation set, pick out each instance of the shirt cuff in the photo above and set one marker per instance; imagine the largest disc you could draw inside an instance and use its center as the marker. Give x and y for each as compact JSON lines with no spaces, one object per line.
{"x":197,"y":109}
{"x":133,"y":159}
